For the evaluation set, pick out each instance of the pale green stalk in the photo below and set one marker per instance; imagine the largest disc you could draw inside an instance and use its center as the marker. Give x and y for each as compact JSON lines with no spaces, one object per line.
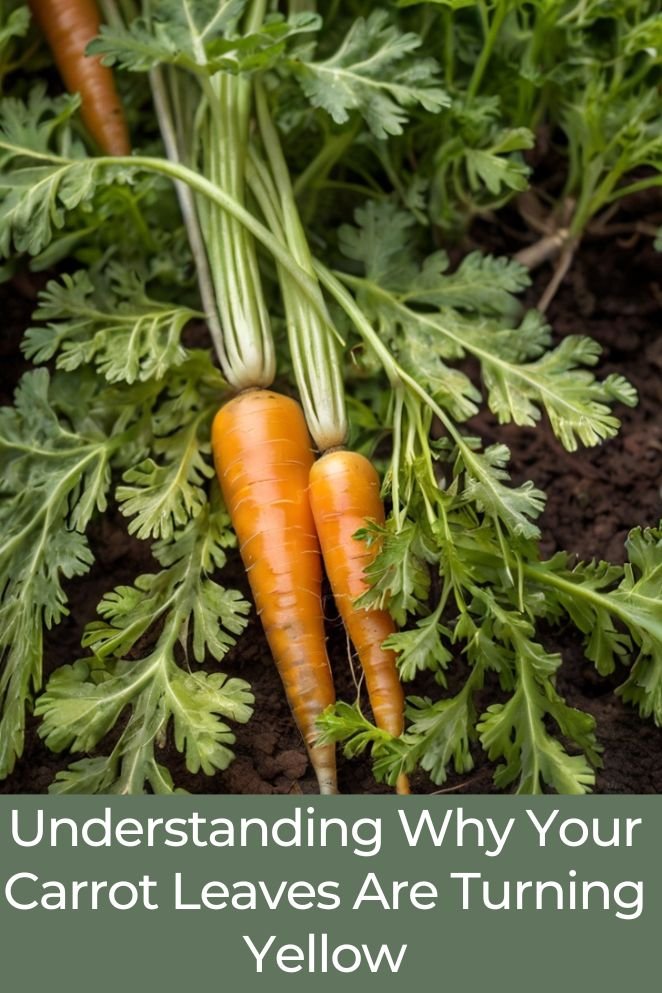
{"x":187,"y":206}
{"x":247,"y":356}
{"x":312,"y":340}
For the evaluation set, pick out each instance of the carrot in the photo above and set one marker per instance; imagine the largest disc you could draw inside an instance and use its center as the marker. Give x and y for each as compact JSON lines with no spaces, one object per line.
{"x":69,"y":26}
{"x":344,"y":492}
{"x":263,"y":456}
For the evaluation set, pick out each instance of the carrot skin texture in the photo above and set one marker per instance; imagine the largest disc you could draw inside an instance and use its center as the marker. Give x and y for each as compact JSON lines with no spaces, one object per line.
{"x":69,"y":26}
{"x":263,"y":456}
{"x":344,"y":492}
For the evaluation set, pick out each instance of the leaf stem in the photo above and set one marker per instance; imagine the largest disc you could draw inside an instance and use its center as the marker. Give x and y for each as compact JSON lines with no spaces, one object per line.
{"x":175,"y":171}
{"x":501,"y":9}
{"x":189,"y":213}
{"x":312,"y":342}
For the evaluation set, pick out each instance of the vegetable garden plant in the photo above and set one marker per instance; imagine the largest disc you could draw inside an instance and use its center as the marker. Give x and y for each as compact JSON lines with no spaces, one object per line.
{"x":304,"y":178}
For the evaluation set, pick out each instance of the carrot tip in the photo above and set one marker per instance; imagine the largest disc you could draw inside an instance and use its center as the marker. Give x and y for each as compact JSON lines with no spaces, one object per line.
{"x":402,"y":785}
{"x":323,"y":760}
{"x":327,"y":788}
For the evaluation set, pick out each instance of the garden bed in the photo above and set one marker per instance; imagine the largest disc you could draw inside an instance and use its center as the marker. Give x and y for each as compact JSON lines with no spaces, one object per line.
{"x":595,"y":496}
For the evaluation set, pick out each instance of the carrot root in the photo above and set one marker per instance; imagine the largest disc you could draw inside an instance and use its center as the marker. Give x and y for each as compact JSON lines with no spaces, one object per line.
{"x":402,"y":785}
{"x":69,"y":26}
{"x":344,"y":492}
{"x":263,"y":456}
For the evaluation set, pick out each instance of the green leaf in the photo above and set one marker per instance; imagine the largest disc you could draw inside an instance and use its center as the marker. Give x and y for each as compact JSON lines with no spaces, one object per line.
{"x":383,"y":240}
{"x":374,"y":71}
{"x":442,"y":732}
{"x":478,"y":162}
{"x":179,"y":33}
{"x":421,"y":648}
{"x":579,"y":594}
{"x":87,"y":776}
{"x":84,"y":702}
{"x":161,"y":498}
{"x":395,"y":289}
{"x":576,"y":403}
{"x":450,"y":388}
{"x":481,"y":284}
{"x":399,"y":578}
{"x":108,"y":321}
{"x":162,"y":495}
{"x":617,"y":608}
{"x":495,"y":168}
{"x":52,"y":479}
{"x":195,"y":700}
{"x":202,"y":37}
{"x":345,"y":723}
{"x":516,"y":731}
{"x":611,"y":119}
{"x":15,"y":25}
{"x":38,"y":186}
{"x":484,"y":485}
{"x":638,"y":601}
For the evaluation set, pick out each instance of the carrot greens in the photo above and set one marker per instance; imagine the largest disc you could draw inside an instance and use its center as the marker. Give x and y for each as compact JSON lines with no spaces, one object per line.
{"x":431,"y":317}
{"x":299,"y":207}
{"x":84,"y":701}
{"x":43,"y":541}
{"x":106,"y":319}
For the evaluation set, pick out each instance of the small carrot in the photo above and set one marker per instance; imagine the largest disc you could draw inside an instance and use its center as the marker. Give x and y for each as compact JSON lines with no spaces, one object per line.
{"x":69,"y":26}
{"x":344,"y":493}
{"x":263,"y":456}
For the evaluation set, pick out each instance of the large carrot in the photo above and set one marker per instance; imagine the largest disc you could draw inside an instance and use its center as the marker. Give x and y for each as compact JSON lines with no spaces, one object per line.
{"x":344,"y":493}
{"x":69,"y":26}
{"x":263,"y":456}
{"x":344,"y":488}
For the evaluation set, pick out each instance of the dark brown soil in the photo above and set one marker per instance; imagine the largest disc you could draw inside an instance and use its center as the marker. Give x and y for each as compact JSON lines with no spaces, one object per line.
{"x":594,"y":498}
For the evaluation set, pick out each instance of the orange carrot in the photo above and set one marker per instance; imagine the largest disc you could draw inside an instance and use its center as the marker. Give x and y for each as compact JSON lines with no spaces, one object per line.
{"x":69,"y":26}
{"x":344,"y":492}
{"x":263,"y":458}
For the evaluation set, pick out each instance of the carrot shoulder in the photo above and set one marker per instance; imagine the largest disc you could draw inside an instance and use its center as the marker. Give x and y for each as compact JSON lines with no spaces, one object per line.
{"x":69,"y":26}
{"x":344,"y":493}
{"x":263,"y":456}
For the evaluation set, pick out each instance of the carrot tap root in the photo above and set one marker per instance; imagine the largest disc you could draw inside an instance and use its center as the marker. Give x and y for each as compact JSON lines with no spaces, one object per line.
{"x":263,"y":456}
{"x":344,"y":493}
{"x":69,"y":26}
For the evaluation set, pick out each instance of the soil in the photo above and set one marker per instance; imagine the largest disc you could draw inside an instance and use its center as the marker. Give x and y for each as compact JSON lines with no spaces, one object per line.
{"x":614,"y":295}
